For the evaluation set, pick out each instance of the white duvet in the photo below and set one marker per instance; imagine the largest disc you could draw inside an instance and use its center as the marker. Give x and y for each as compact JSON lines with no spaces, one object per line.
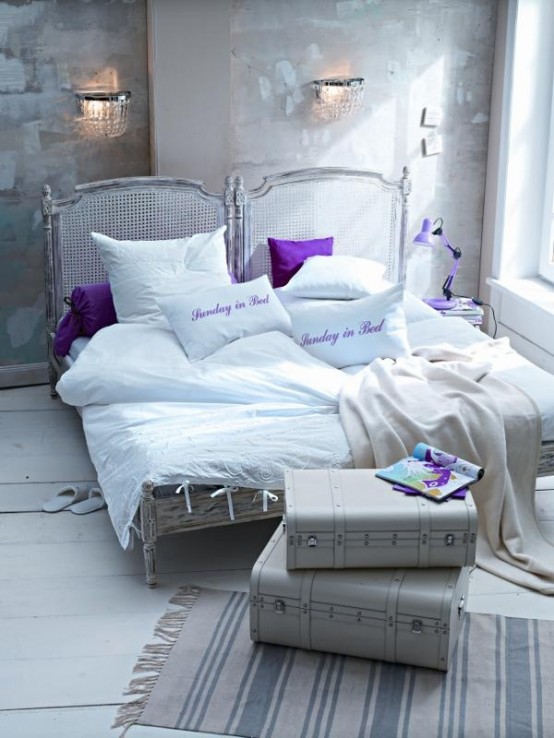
{"x":240,"y":416}
{"x":142,"y":363}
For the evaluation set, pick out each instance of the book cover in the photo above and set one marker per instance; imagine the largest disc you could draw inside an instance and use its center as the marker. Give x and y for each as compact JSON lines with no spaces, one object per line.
{"x":431,"y":472}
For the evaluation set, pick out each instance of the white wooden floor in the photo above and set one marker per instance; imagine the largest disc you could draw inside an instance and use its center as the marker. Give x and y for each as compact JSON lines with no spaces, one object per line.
{"x":74,"y":611}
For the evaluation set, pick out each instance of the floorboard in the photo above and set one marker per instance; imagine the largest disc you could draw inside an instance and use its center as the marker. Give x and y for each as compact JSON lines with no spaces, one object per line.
{"x":48,"y":597}
{"x":31,"y":398}
{"x":74,"y":609}
{"x":43,"y":446}
{"x":75,"y":722}
{"x":29,"y":497}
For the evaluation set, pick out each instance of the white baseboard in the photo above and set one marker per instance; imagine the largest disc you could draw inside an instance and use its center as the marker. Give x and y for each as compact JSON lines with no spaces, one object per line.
{"x":22,"y":375}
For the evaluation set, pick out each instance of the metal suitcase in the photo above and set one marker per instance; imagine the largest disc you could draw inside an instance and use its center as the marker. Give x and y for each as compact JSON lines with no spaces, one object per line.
{"x":411,"y":616}
{"x":349,"y":518}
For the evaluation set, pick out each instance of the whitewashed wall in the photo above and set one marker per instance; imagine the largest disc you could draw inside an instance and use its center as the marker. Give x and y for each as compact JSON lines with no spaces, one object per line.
{"x":49,"y":50}
{"x":412,"y":54}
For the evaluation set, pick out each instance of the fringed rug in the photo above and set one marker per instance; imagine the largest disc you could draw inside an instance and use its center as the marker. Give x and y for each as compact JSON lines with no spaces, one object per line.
{"x":206,"y":675}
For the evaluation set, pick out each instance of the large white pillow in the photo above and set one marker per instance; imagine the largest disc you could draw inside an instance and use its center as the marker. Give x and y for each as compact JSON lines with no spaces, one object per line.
{"x":140,"y":272}
{"x":336,"y":277}
{"x":353,"y":332}
{"x":206,"y":321}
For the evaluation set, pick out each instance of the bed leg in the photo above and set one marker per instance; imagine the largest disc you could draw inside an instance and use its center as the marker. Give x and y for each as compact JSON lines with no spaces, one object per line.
{"x":149,"y":552}
{"x":53,"y":379}
{"x":149,"y":532}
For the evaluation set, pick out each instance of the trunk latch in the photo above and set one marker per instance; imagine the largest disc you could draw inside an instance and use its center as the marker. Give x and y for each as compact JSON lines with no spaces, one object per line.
{"x":461,"y":607}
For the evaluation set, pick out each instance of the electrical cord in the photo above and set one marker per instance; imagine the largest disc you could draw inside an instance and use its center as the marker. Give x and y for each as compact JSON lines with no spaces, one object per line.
{"x":478,"y":301}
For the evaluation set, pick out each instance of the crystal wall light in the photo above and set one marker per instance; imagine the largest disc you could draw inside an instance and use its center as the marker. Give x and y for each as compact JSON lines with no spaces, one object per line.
{"x":338,"y":97}
{"x":104,"y":114}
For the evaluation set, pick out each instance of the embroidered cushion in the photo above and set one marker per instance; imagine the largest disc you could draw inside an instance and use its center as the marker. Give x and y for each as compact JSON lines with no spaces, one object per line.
{"x":206,"y":321}
{"x":353,"y":332}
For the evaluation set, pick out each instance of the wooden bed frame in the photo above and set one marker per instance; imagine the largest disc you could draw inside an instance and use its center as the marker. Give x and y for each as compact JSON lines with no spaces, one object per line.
{"x":366,"y":214}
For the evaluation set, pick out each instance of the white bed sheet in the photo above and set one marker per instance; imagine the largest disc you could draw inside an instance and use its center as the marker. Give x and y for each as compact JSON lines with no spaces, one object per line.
{"x":240,"y":417}
{"x":244,"y":445}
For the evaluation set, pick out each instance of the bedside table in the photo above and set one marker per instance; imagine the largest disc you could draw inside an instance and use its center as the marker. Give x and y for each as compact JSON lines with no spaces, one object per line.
{"x":465,"y":308}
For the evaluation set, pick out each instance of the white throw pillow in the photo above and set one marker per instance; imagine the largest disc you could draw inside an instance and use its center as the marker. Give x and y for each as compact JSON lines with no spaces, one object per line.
{"x":416,"y":309}
{"x":336,"y":277}
{"x":207,"y":321}
{"x":353,"y":332}
{"x":140,"y":272}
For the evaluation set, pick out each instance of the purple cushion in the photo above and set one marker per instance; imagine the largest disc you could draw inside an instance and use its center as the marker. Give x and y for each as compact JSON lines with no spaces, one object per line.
{"x":92,"y":308}
{"x":66,"y":333}
{"x":288,"y":256}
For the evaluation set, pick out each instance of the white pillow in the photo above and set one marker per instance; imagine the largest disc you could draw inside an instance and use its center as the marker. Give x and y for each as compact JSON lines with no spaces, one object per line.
{"x":141,"y":271}
{"x":205,"y":322}
{"x":354,"y":332}
{"x":416,"y":309}
{"x":336,"y":277}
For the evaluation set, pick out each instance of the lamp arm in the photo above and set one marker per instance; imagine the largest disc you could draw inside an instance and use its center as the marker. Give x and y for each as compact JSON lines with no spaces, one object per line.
{"x":446,"y":288}
{"x":456,"y":253}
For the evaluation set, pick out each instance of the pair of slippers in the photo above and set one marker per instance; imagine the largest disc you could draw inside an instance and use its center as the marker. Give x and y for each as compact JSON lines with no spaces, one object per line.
{"x":77,"y":500}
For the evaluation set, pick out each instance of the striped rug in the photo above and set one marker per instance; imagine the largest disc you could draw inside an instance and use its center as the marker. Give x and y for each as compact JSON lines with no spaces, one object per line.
{"x":206,"y":675}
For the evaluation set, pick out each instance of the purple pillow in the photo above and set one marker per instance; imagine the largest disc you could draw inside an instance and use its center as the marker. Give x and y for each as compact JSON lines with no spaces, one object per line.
{"x":288,"y":256}
{"x":92,"y":308}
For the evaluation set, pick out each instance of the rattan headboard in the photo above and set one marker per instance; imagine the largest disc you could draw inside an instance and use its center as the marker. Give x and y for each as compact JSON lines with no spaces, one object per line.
{"x":134,"y":208}
{"x":365,"y":213}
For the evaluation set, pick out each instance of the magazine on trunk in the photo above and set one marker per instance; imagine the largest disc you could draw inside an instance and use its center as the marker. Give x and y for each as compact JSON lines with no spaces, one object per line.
{"x":431,"y":472}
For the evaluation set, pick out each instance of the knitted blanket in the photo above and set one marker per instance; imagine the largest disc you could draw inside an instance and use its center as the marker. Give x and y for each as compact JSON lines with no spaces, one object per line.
{"x":448,"y":399}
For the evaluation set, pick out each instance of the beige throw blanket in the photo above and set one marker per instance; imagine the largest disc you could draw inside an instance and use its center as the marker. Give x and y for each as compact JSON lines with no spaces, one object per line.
{"x":448,"y":399}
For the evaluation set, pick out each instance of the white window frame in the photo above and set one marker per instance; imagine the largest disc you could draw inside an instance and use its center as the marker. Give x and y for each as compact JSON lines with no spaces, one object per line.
{"x":520,"y":189}
{"x":546,"y":264}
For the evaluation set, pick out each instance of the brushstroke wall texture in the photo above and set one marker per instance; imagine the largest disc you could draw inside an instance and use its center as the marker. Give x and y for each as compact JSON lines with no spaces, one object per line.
{"x":47,"y":51}
{"x":412,"y":54}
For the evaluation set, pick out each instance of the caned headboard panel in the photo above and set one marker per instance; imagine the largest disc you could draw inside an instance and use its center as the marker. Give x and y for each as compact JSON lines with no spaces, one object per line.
{"x":365,"y":213}
{"x":135,"y":208}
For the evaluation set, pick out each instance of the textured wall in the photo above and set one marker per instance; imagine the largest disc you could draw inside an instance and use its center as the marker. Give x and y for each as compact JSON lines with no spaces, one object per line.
{"x":47,"y":51}
{"x":412,"y":54}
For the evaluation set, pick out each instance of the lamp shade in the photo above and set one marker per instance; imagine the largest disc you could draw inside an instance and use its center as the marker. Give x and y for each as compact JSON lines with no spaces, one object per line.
{"x":424,"y":237}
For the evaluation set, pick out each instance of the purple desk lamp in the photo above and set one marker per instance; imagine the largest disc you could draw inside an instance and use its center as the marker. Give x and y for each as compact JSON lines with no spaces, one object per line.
{"x":424,"y":238}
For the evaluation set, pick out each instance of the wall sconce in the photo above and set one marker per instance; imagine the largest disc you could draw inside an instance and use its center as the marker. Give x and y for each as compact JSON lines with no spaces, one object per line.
{"x":104,"y":114}
{"x":338,"y":97}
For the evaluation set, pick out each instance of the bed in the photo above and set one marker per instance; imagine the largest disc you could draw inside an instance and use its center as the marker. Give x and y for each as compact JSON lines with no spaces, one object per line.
{"x":194,"y":445}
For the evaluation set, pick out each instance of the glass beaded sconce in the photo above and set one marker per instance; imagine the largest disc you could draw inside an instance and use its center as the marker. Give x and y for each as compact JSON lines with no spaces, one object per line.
{"x":104,"y":114}
{"x":338,"y":97}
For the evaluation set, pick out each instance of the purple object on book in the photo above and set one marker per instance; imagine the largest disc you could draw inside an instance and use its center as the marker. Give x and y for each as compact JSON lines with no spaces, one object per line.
{"x":458,"y":495}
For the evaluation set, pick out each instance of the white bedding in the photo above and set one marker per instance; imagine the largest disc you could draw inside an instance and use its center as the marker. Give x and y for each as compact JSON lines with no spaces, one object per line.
{"x":240,"y":416}
{"x":143,"y":363}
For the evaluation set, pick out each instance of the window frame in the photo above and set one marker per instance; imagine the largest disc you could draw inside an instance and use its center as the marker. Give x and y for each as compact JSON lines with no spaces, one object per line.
{"x":546,"y":256}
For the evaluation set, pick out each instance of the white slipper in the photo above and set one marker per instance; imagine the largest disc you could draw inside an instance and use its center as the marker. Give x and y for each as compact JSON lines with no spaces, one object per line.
{"x":94,"y":501}
{"x":64,"y":498}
